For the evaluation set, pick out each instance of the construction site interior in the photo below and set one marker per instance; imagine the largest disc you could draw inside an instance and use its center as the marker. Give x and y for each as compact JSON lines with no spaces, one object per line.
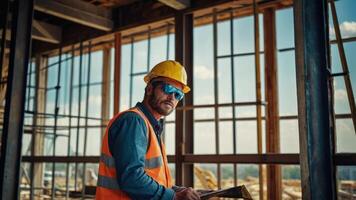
{"x":272,"y":103}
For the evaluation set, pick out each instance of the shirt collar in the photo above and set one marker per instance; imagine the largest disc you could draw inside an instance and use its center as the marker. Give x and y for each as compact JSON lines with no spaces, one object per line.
{"x":156,"y":124}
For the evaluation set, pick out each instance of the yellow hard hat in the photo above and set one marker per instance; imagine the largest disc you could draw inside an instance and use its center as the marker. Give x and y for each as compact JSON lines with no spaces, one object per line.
{"x":170,"y":69}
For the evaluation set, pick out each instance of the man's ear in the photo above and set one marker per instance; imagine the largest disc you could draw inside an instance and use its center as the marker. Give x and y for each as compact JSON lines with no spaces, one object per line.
{"x":149,"y":89}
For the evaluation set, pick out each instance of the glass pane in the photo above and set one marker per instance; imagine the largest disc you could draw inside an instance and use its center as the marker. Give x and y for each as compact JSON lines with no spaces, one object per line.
{"x":245,"y":81}
{"x":246,"y":137}
{"x":345,"y":136}
{"x":96,"y":68}
{"x":169,"y":136}
{"x":289,"y":134}
{"x":226,"y":137}
{"x":203,"y":65}
{"x":224,"y":80}
{"x":285,"y":28}
{"x":140,"y":56}
{"x":244,"y":35}
{"x":138,"y":89}
{"x":287,"y":84}
{"x":223,"y":36}
{"x":204,"y":138}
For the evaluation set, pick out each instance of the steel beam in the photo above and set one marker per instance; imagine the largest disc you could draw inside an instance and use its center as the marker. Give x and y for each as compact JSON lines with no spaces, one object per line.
{"x":180,"y":116}
{"x":77,"y":11}
{"x":315,"y":135}
{"x":176,"y":4}
{"x":188,"y":139}
{"x":117,"y":71}
{"x":15,"y":99}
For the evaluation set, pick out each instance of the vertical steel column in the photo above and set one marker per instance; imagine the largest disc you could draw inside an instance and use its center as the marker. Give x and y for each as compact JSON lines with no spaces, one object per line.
{"x":180,"y":117}
{"x":274,"y":184}
{"x":15,"y":98}
{"x":70,"y":117}
{"x":188,"y":137}
{"x":117,"y":75}
{"x":216,"y":92}
{"x":233,"y":89}
{"x":316,"y":157}
{"x":56,"y":109}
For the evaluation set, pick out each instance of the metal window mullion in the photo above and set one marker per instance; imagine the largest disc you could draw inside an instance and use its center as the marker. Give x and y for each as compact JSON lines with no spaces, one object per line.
{"x":86,"y":118}
{"x":56,"y":109}
{"x":168,"y":43}
{"x":70,"y":119}
{"x":233,"y":90}
{"x":216,"y":94}
{"x":79,"y":110}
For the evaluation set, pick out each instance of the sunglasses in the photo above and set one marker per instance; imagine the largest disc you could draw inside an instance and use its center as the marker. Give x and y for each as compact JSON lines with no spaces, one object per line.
{"x":169,"y":89}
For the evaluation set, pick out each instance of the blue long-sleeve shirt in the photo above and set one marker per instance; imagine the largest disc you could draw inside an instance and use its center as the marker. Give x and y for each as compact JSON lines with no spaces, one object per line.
{"x":128,"y":145}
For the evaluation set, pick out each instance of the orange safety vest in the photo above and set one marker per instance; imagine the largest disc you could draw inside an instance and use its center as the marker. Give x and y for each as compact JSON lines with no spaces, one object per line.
{"x":156,"y":164}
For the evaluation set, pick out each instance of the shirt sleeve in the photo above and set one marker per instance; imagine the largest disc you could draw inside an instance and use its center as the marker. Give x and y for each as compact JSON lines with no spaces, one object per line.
{"x":128,"y":145}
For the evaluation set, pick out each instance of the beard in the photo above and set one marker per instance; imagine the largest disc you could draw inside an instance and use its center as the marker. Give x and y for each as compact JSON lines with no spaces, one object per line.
{"x":155,"y":104}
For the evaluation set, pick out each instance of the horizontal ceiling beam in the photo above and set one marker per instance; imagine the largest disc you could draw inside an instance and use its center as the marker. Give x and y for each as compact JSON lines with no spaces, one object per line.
{"x":46,"y":32}
{"x":43,"y":32}
{"x":176,"y":4}
{"x":77,"y":11}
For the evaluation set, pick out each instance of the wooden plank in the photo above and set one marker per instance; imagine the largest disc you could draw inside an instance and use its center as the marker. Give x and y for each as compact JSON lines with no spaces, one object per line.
{"x":78,"y":12}
{"x":180,"y":117}
{"x":188,"y":171}
{"x":38,"y":138}
{"x":176,"y":4}
{"x":117,"y":72}
{"x":258,"y":93}
{"x":274,"y":185}
{"x":105,"y":91}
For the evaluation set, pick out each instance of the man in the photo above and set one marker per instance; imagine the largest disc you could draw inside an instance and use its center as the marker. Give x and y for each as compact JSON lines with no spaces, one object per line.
{"x":133,"y":162}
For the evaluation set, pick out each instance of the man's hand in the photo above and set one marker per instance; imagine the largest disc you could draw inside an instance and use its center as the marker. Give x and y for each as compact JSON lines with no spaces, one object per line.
{"x":187,"y":194}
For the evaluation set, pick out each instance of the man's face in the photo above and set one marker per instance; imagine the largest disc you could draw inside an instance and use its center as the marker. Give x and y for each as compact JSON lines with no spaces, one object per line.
{"x":160,"y":101}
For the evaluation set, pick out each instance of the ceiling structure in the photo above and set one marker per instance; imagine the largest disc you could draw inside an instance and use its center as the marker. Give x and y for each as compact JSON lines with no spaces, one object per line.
{"x":63,"y":22}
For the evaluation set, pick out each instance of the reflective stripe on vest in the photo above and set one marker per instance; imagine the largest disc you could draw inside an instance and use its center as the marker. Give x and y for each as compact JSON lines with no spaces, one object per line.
{"x":107,"y":160}
{"x":108,"y":182}
{"x":153,"y":162}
